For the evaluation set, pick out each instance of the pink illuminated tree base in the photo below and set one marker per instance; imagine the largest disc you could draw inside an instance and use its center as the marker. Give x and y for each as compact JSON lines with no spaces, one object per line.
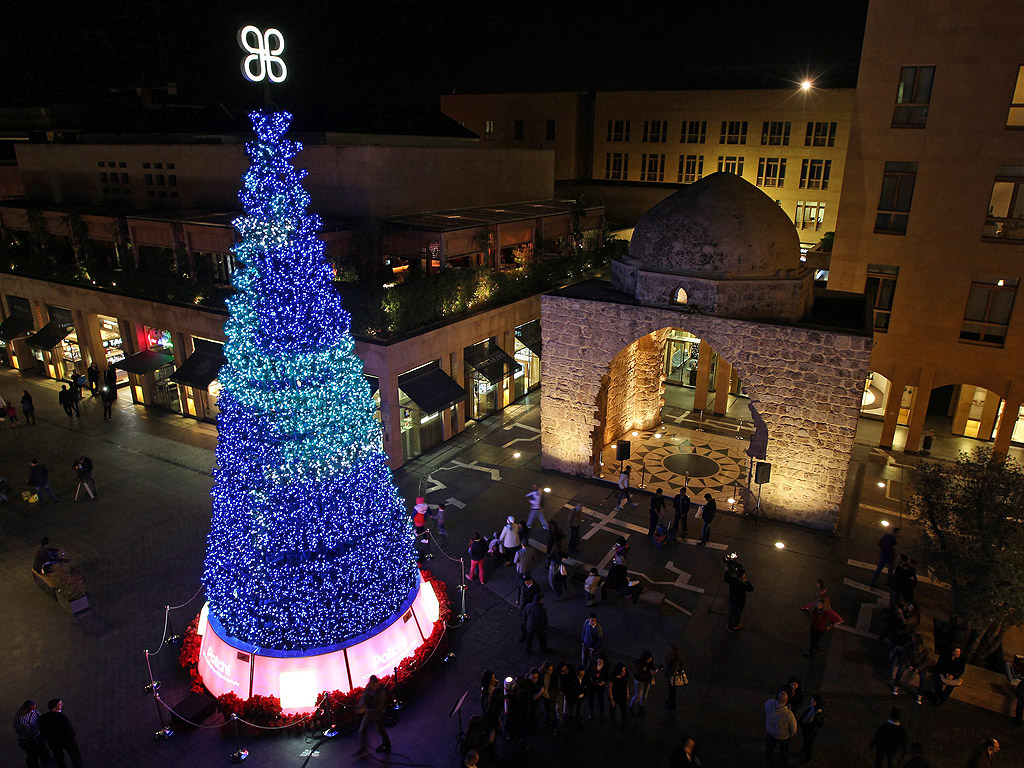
{"x":226,"y":665}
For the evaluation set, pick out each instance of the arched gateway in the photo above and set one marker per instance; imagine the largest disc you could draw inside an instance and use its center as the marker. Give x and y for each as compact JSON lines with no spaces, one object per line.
{"x":721,"y":260}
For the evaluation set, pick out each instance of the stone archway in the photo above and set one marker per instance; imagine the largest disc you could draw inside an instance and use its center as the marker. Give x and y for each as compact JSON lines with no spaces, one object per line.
{"x":804,"y":382}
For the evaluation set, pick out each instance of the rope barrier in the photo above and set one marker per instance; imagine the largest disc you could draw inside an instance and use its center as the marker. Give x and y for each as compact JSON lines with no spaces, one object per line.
{"x":176,"y":607}
{"x":163,"y":635}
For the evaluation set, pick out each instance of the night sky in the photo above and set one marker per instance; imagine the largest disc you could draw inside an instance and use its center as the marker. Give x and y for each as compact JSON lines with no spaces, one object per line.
{"x":408,"y":52}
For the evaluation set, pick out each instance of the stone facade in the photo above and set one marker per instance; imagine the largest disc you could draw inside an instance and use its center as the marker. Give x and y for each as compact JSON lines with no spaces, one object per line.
{"x":632,"y":393}
{"x":804,"y":382}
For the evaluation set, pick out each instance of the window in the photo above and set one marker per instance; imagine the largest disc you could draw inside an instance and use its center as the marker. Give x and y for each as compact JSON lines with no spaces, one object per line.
{"x":618,"y":130}
{"x":488,"y":129}
{"x":733,"y":132}
{"x":820,"y":135}
{"x":814,"y":174}
{"x":691,"y":168}
{"x":775,"y":134}
{"x":549,"y":131}
{"x":652,"y":168}
{"x":894,"y":199}
{"x":1005,"y":220}
{"x":517,"y":130}
{"x":912,"y":97}
{"x":730,"y":164}
{"x":616,"y":165}
{"x":694,"y":132}
{"x":771,"y":171}
{"x":656,"y":131}
{"x":988,"y":309}
{"x":880,"y":289}
{"x":1016,"y":117}
{"x":809,"y":215}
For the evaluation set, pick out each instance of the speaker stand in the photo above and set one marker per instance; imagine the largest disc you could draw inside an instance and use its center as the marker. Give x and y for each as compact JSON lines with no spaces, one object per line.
{"x":757,"y":511}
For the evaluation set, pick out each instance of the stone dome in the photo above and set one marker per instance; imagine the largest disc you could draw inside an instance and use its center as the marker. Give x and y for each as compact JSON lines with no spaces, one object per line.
{"x":720,"y":226}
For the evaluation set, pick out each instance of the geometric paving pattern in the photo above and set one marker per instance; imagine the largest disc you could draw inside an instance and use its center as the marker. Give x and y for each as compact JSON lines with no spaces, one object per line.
{"x":714,"y":463}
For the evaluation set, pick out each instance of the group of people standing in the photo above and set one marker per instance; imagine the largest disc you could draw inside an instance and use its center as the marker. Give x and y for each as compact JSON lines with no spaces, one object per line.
{"x":46,"y":737}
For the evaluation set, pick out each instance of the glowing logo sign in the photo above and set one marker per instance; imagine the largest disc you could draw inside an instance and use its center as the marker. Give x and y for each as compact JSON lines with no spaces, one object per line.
{"x":264,"y":61}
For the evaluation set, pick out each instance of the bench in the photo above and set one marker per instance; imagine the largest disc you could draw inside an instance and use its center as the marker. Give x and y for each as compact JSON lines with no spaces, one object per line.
{"x":988,"y":690}
{"x":46,"y":582}
{"x":652,"y":597}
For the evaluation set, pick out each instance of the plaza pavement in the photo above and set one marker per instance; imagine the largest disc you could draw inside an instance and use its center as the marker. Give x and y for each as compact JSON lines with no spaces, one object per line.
{"x":141,"y":543}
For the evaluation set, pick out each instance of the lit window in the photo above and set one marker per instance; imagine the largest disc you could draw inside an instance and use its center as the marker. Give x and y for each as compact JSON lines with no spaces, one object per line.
{"x":814,"y":174}
{"x":1005,"y":220}
{"x":733,"y":132}
{"x":730,"y":164}
{"x":680,"y":296}
{"x":771,"y":172}
{"x":989,"y":306}
{"x":691,"y":168}
{"x":809,"y":215}
{"x":488,"y":129}
{"x":616,"y":166}
{"x":775,"y":134}
{"x":652,"y":168}
{"x":694,"y":132}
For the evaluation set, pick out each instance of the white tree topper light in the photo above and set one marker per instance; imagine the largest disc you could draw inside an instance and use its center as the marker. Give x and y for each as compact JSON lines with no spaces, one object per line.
{"x":264,"y":61}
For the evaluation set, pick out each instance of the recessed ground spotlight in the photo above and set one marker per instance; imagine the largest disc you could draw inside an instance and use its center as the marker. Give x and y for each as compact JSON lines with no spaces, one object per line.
{"x":731,"y":500}
{"x":881,"y":483}
{"x":779,"y":545}
{"x":635,"y":433}
{"x":885,"y":523}
{"x":613,"y":446}
{"x":657,"y":435}
{"x":547,"y":490}
{"x":516,"y":455}
{"x":806,"y":85}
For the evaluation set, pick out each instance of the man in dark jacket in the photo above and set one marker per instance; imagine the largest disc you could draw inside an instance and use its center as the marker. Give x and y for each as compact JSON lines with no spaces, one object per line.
{"x":682,"y":506}
{"x":39,"y":478}
{"x":739,"y":585}
{"x":949,"y":673}
{"x":93,"y":374}
{"x":886,"y":554}
{"x":708,"y":516}
{"x":60,"y":734}
{"x":371,"y":705}
{"x":83,"y":469}
{"x":536,"y":617}
{"x":657,"y":505}
{"x":890,"y":741}
{"x":528,"y":590}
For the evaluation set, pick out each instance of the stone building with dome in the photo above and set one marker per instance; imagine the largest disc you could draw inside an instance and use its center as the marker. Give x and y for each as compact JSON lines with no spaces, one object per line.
{"x":718,"y":265}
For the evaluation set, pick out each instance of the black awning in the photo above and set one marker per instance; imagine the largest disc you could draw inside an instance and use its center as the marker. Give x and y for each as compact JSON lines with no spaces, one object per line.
{"x":144,"y":362}
{"x":199,"y":370}
{"x":491,"y":361}
{"x":14,"y":326}
{"x":49,"y":336}
{"x":430,"y":388}
{"x":529,"y":336}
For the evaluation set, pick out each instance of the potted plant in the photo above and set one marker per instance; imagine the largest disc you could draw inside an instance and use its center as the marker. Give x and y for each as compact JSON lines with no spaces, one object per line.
{"x":70,"y":589}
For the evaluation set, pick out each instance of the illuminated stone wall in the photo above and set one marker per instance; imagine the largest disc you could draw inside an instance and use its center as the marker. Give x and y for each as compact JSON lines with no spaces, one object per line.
{"x":636,"y":387}
{"x":805,"y":383}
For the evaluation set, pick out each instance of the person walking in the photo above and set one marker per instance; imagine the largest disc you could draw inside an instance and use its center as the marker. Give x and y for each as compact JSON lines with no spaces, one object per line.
{"x":59,"y":734}
{"x":536,"y":499}
{"x":477,"y":555}
{"x":83,"y":470}
{"x":949,"y":673}
{"x":673,"y":665}
{"x":39,"y":478}
{"x":739,"y":585}
{"x":558,"y":574}
{"x":510,"y":539}
{"x":575,"y":521}
{"x":536,"y":622}
{"x":643,"y":679}
{"x":707,"y":515}
{"x":618,"y":702}
{"x":890,"y":741}
{"x":984,"y":755}
{"x":810,"y":722}
{"x":28,"y":408}
{"x":823,"y":618}
{"x":92,"y":373}
{"x":30,"y":740}
{"x":886,"y":555}
{"x":681,"y":503}
{"x":107,"y":396}
{"x":657,"y":506}
{"x":624,"y":489}
{"x":596,"y":685}
{"x":371,"y":706}
{"x":523,"y":559}
{"x":780,"y":728}
{"x":592,"y":638}
{"x":65,"y":399}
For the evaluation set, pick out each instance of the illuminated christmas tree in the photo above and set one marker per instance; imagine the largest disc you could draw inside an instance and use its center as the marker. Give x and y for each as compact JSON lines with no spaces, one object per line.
{"x":310,"y":544}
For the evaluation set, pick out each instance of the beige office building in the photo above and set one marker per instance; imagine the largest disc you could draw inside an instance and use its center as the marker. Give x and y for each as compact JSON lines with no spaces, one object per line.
{"x":932,"y":217}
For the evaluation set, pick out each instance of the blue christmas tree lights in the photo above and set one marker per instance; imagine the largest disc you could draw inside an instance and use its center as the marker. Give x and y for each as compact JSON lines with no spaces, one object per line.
{"x":310,"y":544}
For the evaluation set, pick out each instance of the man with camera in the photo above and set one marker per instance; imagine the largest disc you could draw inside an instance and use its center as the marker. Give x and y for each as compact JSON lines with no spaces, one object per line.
{"x":83,"y":469}
{"x":739,"y":585}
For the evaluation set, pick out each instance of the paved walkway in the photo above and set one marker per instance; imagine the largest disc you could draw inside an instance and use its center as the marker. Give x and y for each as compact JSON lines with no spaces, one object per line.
{"x":140,"y":545}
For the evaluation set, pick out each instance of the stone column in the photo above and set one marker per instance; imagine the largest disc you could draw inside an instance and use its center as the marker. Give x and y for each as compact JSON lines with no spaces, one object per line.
{"x":989,"y":412}
{"x":1011,"y":407}
{"x":922,"y":394}
{"x":723,"y":378}
{"x":391,"y":418}
{"x":700,"y":394}
{"x":897,"y":381}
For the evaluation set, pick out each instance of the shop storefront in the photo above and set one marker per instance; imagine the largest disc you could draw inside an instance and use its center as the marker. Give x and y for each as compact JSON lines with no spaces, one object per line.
{"x":165,"y":390}
{"x":48,"y":340}
{"x":527,"y":354}
{"x":197,"y":379}
{"x":17,"y":324}
{"x":110,"y":338}
{"x":488,"y":369}
{"x":426,"y":396}
{"x":682,"y":352}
